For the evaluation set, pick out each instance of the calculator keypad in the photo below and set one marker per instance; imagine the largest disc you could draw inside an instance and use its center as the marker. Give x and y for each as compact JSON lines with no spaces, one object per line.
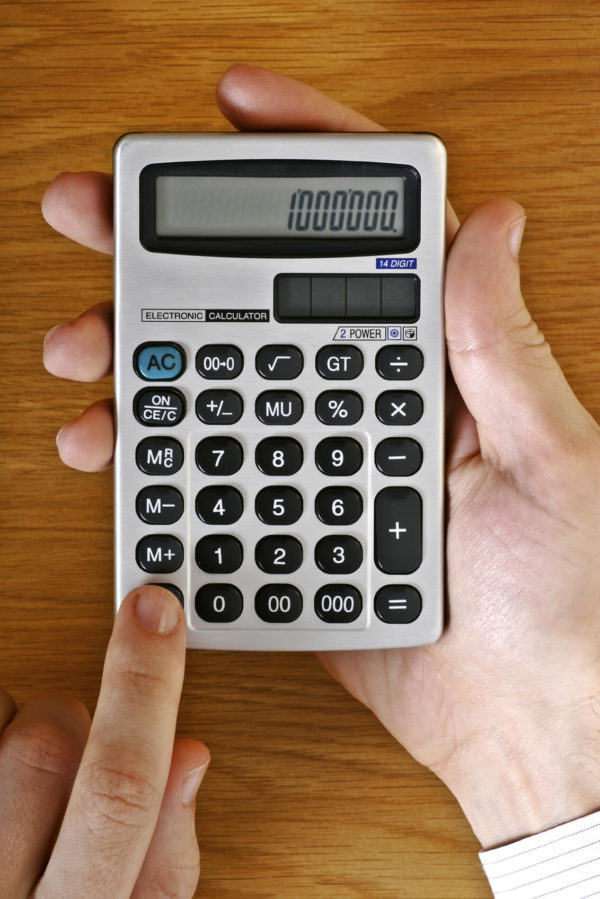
{"x":271,"y":502}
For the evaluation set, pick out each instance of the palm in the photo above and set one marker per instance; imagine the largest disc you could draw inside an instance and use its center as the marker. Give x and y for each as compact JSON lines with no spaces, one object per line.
{"x":504,"y":605}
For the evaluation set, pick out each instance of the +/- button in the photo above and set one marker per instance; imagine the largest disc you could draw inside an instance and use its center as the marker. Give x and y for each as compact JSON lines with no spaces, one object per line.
{"x":159,"y":361}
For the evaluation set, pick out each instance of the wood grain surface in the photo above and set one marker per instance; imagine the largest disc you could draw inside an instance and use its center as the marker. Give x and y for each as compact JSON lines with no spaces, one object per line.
{"x":307,"y":795}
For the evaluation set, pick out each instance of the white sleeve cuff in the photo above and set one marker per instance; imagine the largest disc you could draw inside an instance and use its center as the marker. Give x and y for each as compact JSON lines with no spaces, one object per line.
{"x":561,"y":863}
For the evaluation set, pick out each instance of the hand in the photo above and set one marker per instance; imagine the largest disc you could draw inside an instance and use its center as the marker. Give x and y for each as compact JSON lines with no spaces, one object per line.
{"x":120,"y":808}
{"x":504,"y":708}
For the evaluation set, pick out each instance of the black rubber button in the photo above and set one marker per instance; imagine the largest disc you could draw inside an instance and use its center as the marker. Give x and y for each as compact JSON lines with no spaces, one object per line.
{"x":219,"y":407}
{"x":278,"y":505}
{"x":338,"y":554}
{"x":339,"y":456}
{"x":339,"y":407}
{"x":279,"y":456}
{"x":398,"y":530}
{"x":219,"y":553}
{"x":220,"y":504}
{"x":399,"y":363}
{"x":279,"y":362}
{"x":339,"y":363}
{"x":219,"y":456}
{"x":279,"y":407}
{"x":398,"y":604}
{"x":398,"y":457}
{"x":159,"y":407}
{"x":338,"y":505}
{"x":159,"y":553}
{"x":278,"y":603}
{"x":219,"y":361}
{"x":159,"y":505}
{"x":219,"y":603}
{"x":279,"y":554}
{"x":159,"y":456}
{"x":338,"y":603}
{"x":399,"y":407}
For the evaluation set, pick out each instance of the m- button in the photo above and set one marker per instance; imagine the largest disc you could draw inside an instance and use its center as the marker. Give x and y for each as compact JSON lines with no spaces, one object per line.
{"x":159,"y":361}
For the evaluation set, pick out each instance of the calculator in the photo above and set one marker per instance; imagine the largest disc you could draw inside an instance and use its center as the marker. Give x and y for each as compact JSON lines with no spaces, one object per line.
{"x":279,"y":377}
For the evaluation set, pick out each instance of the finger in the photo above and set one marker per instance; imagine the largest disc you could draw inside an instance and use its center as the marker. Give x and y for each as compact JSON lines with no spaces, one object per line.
{"x":88,"y":442}
{"x":40,"y":752}
{"x":80,"y":206}
{"x":119,"y":788}
{"x":462,"y":440}
{"x":172,"y":864}
{"x":504,"y":369}
{"x":81,"y":350}
{"x":255,"y":99}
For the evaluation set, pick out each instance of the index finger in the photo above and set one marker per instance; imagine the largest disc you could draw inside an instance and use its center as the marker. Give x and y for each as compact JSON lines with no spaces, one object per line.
{"x":117,"y":794}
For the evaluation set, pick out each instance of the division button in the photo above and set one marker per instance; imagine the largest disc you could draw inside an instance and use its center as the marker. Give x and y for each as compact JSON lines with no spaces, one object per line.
{"x":338,"y":505}
{"x":220,"y":504}
{"x":399,"y":407}
{"x":159,"y":407}
{"x":219,"y":456}
{"x":339,"y":407}
{"x":338,"y":554}
{"x":400,"y":298}
{"x":398,"y":457}
{"x":338,"y":603}
{"x":279,"y":362}
{"x":279,"y":456}
{"x":159,"y":553}
{"x":398,"y":604}
{"x":219,"y":553}
{"x":279,"y":407}
{"x":339,"y":456}
{"x":159,"y":455}
{"x":398,"y":530}
{"x":279,"y":505}
{"x":279,"y":554}
{"x":219,"y":603}
{"x":219,"y":361}
{"x":278,"y":603}
{"x":159,"y":361}
{"x":399,"y":363}
{"x":223,"y":407}
{"x":159,"y":505}
{"x":339,"y":363}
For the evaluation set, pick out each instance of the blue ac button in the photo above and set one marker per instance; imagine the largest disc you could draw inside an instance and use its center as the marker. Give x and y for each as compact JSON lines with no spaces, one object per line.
{"x":159,"y":361}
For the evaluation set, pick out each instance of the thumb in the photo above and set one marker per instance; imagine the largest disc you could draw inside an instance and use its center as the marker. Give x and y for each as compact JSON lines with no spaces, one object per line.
{"x":509,"y":380}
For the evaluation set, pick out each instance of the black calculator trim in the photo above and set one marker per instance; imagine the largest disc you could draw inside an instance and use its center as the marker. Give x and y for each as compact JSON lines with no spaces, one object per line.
{"x":283,"y":247}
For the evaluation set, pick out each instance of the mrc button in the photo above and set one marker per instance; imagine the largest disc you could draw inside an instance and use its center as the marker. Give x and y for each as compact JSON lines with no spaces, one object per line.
{"x":159,"y":407}
{"x":159,"y":361}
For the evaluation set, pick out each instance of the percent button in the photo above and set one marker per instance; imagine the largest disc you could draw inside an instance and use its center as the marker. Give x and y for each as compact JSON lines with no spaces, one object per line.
{"x":339,"y":407}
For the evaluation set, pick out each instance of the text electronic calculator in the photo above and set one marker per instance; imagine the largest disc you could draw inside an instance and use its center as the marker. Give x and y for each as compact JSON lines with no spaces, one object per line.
{"x":280,"y":385}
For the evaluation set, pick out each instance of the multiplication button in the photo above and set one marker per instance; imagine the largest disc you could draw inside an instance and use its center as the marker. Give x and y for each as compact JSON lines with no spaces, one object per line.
{"x":399,"y":407}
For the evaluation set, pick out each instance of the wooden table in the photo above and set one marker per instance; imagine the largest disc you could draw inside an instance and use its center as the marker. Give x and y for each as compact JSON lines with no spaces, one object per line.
{"x":307,"y":795}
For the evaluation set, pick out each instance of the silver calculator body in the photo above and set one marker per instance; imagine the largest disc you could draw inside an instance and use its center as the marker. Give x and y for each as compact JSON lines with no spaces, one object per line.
{"x":280,"y":374}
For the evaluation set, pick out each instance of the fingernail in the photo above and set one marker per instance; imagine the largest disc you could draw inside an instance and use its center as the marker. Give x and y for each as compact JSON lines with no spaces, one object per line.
{"x":157,"y":610}
{"x":50,"y":333}
{"x":515,"y":236}
{"x":191,"y":784}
